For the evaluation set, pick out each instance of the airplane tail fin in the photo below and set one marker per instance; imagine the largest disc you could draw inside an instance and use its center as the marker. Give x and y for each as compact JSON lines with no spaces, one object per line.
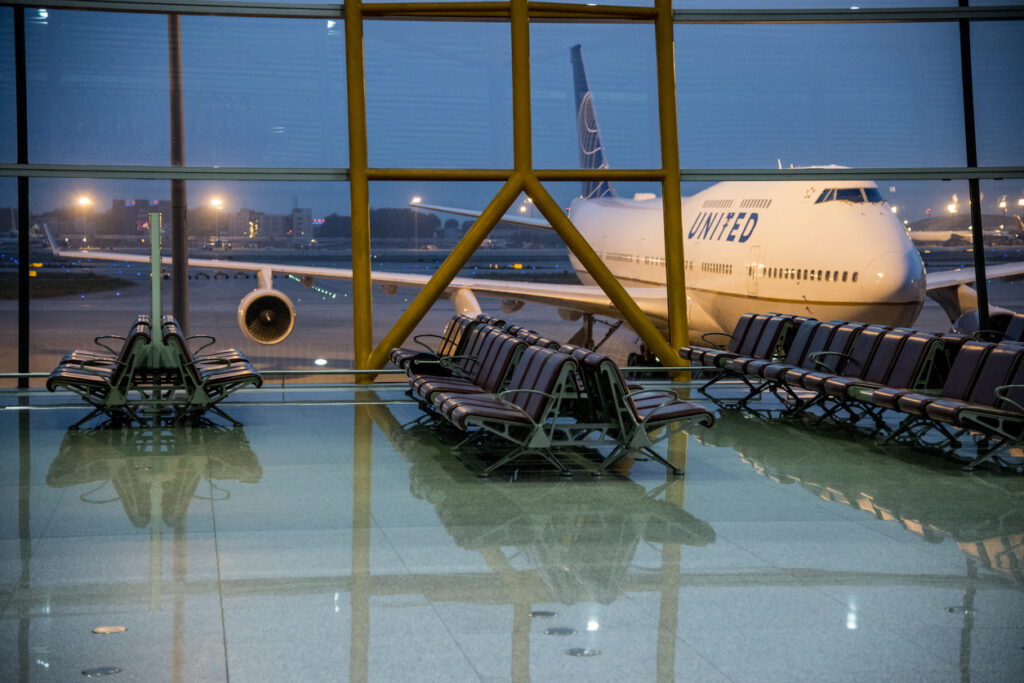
{"x":51,"y":239}
{"x":587,"y":130}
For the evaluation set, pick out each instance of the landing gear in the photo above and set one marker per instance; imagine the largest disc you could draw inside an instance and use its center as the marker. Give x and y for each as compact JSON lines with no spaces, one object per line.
{"x":645,"y":359}
{"x":585,"y":337}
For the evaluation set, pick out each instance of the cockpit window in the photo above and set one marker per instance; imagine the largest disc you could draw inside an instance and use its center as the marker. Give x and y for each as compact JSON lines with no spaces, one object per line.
{"x":851,"y":194}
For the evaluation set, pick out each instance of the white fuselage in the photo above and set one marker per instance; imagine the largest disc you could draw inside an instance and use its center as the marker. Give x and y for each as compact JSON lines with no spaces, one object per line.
{"x":765,"y":246}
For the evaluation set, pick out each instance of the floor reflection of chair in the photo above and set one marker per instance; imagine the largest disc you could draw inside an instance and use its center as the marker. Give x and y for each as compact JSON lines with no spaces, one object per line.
{"x":987,"y":521}
{"x":155,"y":474}
{"x":581,"y":537}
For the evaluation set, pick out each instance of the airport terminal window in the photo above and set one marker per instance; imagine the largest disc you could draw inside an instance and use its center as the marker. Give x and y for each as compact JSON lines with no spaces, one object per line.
{"x":804,"y":112}
{"x":97,"y":90}
{"x":98,"y":95}
{"x":8,"y":115}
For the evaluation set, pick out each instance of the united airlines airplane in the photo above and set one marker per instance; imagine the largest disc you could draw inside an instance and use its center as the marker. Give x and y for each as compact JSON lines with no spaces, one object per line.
{"x":827,"y":249}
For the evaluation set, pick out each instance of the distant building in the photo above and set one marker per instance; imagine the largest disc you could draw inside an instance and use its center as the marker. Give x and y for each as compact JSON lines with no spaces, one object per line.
{"x":302,"y":224}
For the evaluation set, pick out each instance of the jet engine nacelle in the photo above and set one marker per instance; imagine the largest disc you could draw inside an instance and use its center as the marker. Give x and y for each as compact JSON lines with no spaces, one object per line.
{"x":998,"y":319}
{"x":266,"y":315}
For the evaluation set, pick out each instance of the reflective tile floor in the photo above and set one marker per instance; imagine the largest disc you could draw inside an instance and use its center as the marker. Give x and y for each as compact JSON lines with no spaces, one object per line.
{"x":331,"y":539}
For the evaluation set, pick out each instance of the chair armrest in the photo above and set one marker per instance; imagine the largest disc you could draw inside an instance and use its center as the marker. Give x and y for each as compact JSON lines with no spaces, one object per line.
{"x":1001,"y":391}
{"x":83,"y":365}
{"x":449,"y":362}
{"x":705,"y":338}
{"x":670,"y":397}
{"x":501,"y":397}
{"x":815,"y":355}
{"x":418,"y":337}
{"x":110,"y":336}
{"x":201,"y":336}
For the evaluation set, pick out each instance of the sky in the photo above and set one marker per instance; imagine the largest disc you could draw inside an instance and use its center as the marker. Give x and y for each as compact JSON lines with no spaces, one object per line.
{"x":271,"y":93}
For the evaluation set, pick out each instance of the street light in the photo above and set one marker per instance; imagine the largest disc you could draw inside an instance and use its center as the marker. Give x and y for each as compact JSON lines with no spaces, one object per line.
{"x":416,"y":222}
{"x":83,"y":204}
{"x":218,"y":204}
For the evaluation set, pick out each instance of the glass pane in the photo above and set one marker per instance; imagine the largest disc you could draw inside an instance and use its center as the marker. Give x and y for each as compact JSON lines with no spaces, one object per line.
{"x":264,"y":92}
{"x":619,"y":62}
{"x":8,"y":278}
{"x":808,"y":4}
{"x":8,"y":103}
{"x":998,"y":91}
{"x":438,"y":94}
{"x":254,"y":222}
{"x":855,"y":95}
{"x":97,"y":88}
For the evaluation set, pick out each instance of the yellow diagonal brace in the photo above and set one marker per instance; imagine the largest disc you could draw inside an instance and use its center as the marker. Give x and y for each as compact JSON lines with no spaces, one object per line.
{"x":447,"y":271}
{"x":655,"y":341}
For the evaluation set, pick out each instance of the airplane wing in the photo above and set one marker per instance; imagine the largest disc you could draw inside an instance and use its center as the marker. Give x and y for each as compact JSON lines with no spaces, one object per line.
{"x":462,"y":290}
{"x":520,"y":219}
{"x":954,"y":291}
{"x":965,"y":276}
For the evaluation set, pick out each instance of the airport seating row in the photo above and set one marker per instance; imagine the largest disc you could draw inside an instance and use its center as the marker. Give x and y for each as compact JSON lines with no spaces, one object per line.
{"x":153,"y":378}
{"x":852,"y":373}
{"x":507,"y":383}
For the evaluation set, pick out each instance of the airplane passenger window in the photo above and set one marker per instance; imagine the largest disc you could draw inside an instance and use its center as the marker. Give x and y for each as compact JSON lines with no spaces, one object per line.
{"x":855,"y":277}
{"x":844,"y":276}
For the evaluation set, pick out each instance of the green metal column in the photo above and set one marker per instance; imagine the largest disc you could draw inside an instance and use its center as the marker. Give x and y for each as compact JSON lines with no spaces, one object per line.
{"x":362,"y":288}
{"x":154,"y":272}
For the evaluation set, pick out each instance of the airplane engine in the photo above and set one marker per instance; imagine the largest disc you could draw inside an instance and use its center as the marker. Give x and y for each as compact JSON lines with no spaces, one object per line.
{"x":998,"y":319}
{"x":266,"y":316}
{"x":511,"y":305}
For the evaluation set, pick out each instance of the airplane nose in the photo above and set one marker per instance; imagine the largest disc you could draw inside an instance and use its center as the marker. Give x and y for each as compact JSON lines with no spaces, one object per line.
{"x":896,"y":277}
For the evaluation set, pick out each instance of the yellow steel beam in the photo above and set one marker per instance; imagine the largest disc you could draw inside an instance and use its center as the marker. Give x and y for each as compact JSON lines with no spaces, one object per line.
{"x":447,"y":271}
{"x":503,"y":174}
{"x":655,"y":341}
{"x":489,"y":11}
{"x":522,"y":132}
{"x":678,"y":325}
{"x":362,"y":291}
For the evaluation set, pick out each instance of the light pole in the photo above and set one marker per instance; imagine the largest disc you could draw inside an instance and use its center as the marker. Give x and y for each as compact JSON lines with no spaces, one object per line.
{"x":83,"y":204}
{"x":416,"y":222}
{"x":217,"y":203}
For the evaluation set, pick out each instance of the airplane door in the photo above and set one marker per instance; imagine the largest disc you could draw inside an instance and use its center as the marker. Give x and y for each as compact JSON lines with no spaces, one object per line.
{"x":753,"y":270}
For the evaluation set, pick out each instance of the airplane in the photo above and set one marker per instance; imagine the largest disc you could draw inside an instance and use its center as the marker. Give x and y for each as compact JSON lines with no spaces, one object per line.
{"x":831,"y":249}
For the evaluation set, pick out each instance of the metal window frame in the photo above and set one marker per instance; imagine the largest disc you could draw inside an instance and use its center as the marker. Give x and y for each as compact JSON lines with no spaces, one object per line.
{"x":523,"y":177}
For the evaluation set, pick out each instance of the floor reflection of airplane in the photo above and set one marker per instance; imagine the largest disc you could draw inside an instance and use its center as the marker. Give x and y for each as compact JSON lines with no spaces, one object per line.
{"x":982,"y":514}
{"x":831,"y":249}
